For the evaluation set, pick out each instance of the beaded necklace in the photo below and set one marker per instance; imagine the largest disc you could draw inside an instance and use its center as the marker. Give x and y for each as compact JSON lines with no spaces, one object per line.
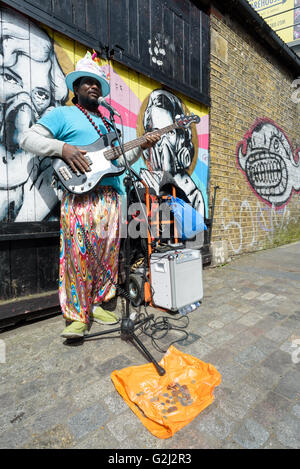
{"x":92,"y":122}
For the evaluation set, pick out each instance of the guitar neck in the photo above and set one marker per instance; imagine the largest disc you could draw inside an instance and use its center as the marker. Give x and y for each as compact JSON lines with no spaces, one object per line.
{"x":117,"y":151}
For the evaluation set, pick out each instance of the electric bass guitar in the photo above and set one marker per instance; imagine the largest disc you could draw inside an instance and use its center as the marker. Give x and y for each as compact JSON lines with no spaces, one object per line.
{"x":100,"y":155}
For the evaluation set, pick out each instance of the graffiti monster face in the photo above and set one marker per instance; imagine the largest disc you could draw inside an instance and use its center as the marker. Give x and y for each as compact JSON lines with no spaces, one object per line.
{"x":266,"y":158}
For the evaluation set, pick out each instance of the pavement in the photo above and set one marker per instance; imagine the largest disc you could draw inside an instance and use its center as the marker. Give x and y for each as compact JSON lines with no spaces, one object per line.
{"x":56,"y":395}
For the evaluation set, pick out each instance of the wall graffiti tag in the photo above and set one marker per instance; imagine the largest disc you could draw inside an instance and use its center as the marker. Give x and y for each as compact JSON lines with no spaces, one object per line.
{"x":263,"y":219}
{"x":271,"y":167}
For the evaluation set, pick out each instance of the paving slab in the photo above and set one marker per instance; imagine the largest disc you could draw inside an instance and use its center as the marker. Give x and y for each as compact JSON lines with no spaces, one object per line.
{"x":54,"y":394}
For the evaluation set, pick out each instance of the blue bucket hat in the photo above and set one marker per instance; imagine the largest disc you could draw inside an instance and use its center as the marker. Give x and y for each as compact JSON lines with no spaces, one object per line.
{"x":86,"y":67}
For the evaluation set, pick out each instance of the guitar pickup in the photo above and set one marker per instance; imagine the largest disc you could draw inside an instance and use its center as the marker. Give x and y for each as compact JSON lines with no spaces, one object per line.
{"x":88,"y":160}
{"x":65,"y":173}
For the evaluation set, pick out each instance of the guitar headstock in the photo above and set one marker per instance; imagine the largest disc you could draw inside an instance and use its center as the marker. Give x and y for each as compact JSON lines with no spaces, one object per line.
{"x":186,"y":120}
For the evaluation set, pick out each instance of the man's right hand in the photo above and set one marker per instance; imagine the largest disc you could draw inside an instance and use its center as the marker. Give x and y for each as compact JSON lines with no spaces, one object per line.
{"x":75,"y":158}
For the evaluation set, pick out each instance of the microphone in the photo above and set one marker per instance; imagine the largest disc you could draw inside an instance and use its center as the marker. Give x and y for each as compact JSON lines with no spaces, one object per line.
{"x":102,"y":102}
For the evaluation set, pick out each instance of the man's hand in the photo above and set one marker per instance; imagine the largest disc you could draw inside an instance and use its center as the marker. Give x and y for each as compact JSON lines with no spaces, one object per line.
{"x":75,"y":158}
{"x":151,"y":140}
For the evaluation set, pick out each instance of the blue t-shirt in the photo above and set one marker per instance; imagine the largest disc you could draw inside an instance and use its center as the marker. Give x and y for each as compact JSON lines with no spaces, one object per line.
{"x":70,"y":125}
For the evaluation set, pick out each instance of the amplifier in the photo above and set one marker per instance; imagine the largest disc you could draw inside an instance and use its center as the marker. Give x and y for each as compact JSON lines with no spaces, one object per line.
{"x":176,"y":278}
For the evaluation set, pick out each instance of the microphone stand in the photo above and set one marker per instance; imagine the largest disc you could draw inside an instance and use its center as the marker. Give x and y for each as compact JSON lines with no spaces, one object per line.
{"x":128,"y":326}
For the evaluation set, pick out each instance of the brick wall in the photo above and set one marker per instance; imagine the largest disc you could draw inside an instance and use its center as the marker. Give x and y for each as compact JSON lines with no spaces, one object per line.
{"x":259,"y":200}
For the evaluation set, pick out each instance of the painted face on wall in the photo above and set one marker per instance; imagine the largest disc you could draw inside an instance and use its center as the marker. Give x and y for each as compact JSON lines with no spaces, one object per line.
{"x":175,"y":151}
{"x":174,"y":157}
{"x":31,"y":81}
{"x":266,"y":158}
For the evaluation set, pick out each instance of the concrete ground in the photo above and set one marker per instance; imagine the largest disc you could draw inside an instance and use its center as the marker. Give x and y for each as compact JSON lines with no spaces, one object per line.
{"x":55,"y":395}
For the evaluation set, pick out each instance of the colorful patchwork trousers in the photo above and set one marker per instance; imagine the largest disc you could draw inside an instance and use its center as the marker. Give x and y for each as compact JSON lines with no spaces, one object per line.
{"x":82,"y":282}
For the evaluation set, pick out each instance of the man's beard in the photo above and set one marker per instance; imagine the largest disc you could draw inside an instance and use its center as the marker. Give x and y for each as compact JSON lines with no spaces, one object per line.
{"x":89,"y":103}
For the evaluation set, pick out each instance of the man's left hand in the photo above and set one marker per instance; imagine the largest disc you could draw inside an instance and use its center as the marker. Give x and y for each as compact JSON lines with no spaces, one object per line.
{"x":151,"y":140}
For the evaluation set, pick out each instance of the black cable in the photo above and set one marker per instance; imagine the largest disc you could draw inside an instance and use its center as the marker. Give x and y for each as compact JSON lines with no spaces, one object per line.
{"x":158,"y":328}
{"x":161,"y":324}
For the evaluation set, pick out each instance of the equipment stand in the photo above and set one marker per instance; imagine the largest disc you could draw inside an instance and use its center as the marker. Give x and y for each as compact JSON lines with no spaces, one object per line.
{"x":128,"y":326}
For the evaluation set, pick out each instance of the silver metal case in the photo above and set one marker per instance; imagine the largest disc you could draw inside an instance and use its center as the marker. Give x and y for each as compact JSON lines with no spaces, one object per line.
{"x":176,"y":278}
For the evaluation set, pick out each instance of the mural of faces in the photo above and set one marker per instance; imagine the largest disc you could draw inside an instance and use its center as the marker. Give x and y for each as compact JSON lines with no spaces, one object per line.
{"x":266,"y":158}
{"x":175,"y":154}
{"x":31,"y":82}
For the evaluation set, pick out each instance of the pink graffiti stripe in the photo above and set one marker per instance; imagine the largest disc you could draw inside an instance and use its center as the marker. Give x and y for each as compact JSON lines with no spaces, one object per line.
{"x":122,"y":94}
{"x":203,"y":141}
{"x":203,"y":126}
{"x":129,"y":118}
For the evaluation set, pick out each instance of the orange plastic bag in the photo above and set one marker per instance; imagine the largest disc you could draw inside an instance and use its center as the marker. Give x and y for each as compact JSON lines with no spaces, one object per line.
{"x":167,"y":403}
